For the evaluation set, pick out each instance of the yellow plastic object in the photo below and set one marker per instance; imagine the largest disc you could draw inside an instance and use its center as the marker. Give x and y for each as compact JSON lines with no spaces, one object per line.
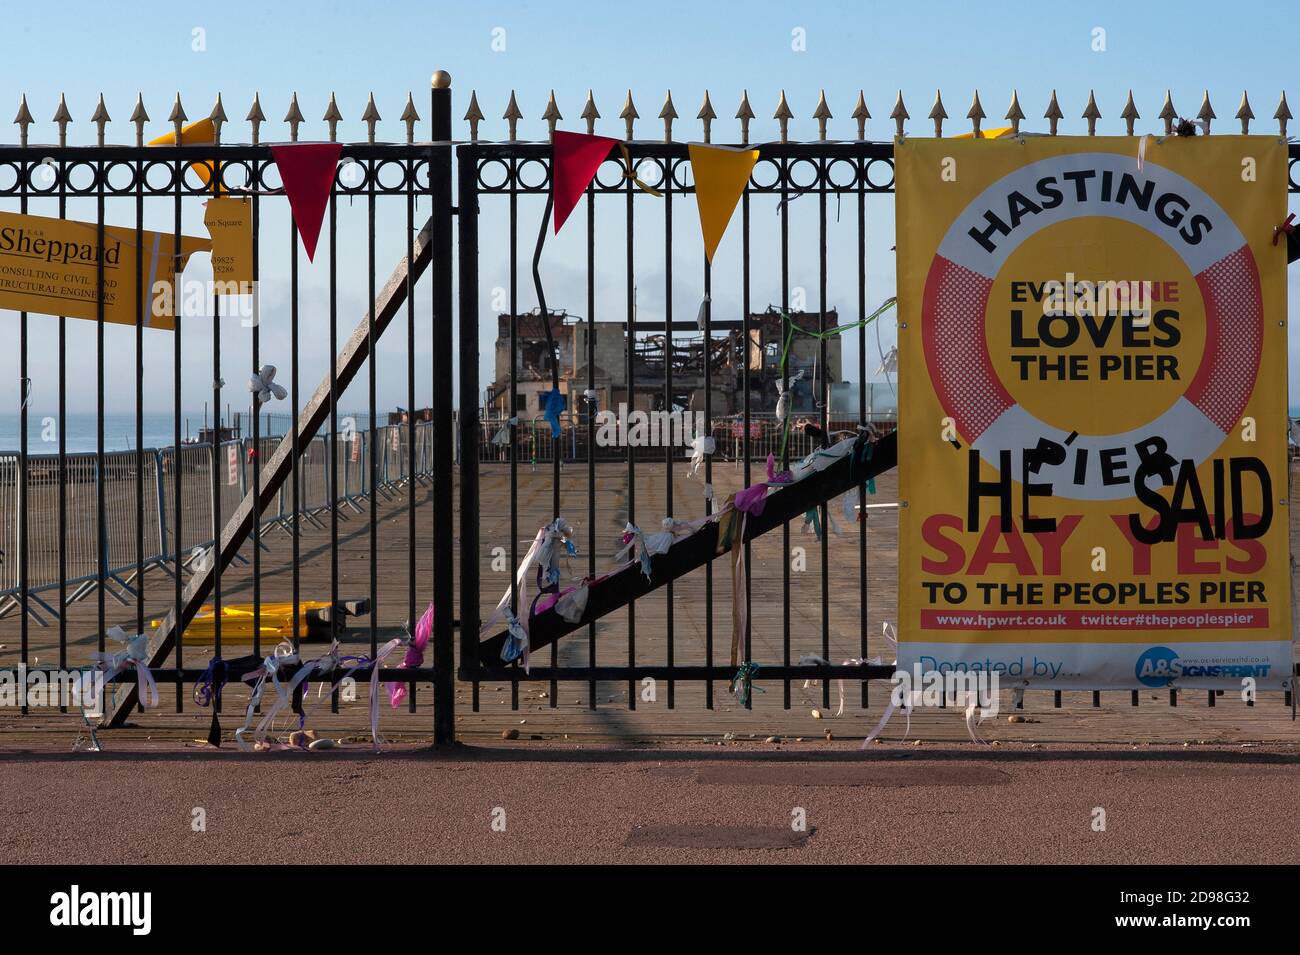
{"x":237,"y":621}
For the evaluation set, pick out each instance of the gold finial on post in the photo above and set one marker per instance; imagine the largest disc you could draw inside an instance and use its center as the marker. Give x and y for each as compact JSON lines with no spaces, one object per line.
{"x":370,"y":117}
{"x":23,"y":120}
{"x":783,"y":115}
{"x":744,"y":114}
{"x":1282,"y":115}
{"x":101,"y":119}
{"x":899,"y":115}
{"x":706,"y":115}
{"x":177,"y":118}
{"x":552,"y":116}
{"x":975,"y":114}
{"x":629,"y":115}
{"x":1091,"y":113}
{"x":512,"y":116}
{"x":441,"y":80}
{"x":861,"y":115}
{"x":1015,"y":114}
{"x":1168,"y":113}
{"x":1129,"y":114}
{"x":938,"y":114}
{"x":218,"y":117}
{"x":668,"y":114}
{"x":293,"y":118}
{"x":63,"y":117}
{"x":590,"y":114}
{"x":822,"y":114}
{"x":256,"y":117}
{"x":1206,"y":113}
{"x":332,"y":117}
{"x":473,"y":115}
{"x":410,"y":117}
{"x":139,"y":117}
{"x":1245,"y":114}
{"x":1053,"y":115}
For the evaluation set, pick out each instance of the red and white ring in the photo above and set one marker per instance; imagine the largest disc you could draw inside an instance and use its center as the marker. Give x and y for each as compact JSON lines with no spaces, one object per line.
{"x":955,"y":303}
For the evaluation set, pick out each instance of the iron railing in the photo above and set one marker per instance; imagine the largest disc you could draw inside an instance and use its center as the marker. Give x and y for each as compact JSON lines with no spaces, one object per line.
{"x":78,"y":525}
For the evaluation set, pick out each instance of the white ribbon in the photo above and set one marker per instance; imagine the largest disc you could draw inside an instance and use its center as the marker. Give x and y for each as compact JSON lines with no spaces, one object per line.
{"x":972,"y":723}
{"x":573,"y":605}
{"x":808,"y":658}
{"x":544,"y":550}
{"x":699,"y":316}
{"x":891,"y":636}
{"x":380,"y":657}
{"x":636,"y":548}
{"x":263,"y":386}
{"x":136,"y":654}
{"x":905,"y":707}
{"x":702,"y":445}
{"x":282,"y":655}
{"x":1142,"y":149}
{"x":502,"y":437}
{"x":783,"y":397}
{"x":284,"y":694}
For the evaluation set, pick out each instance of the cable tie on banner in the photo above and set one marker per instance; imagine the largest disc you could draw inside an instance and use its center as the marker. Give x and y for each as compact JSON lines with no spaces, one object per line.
{"x":630,"y":173}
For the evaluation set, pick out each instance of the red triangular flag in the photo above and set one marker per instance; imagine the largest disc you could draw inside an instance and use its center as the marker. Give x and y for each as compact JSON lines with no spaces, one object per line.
{"x":575,"y":160}
{"x":307,"y":171}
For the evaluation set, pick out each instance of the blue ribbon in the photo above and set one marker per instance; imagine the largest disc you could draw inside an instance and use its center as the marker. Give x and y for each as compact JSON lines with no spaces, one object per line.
{"x":553,"y":402}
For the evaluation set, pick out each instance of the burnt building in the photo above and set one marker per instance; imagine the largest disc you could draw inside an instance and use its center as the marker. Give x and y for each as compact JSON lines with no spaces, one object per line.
{"x":655,"y":350}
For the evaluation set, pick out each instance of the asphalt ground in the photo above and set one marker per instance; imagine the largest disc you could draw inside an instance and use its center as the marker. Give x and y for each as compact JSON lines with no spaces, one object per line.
{"x":748,"y":803}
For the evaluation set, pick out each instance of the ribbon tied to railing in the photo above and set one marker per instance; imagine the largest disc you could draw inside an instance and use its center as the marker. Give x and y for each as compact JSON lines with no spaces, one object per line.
{"x":135,"y":653}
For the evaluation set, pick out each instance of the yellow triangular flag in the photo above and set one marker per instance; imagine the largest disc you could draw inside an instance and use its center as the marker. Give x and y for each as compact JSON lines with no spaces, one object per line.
{"x":195,"y":134}
{"x":721,"y":173}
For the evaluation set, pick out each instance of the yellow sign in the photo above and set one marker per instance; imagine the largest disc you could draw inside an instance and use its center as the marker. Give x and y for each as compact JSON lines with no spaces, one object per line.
{"x":230,"y":223}
{"x":1093,"y":411}
{"x":51,"y":266}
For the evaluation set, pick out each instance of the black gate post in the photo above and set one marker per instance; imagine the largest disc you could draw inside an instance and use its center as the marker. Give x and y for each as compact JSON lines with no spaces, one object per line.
{"x":444,"y":697}
{"x":467,"y":222}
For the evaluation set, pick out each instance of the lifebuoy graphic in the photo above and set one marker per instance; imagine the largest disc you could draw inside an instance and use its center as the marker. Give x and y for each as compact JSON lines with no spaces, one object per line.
{"x":961,"y":278}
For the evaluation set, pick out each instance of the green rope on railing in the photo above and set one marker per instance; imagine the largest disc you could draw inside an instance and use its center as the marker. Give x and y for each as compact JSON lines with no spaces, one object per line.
{"x":791,"y":328}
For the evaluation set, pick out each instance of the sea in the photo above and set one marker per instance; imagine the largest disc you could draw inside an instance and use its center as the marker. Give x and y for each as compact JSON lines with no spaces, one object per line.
{"x":119,"y":430}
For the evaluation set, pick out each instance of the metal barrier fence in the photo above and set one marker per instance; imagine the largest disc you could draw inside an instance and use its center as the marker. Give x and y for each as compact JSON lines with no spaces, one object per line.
{"x":236,"y":465}
{"x":537,"y":444}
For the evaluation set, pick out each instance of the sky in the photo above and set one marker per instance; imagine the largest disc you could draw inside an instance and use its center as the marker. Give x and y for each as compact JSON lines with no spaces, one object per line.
{"x":389,"y":48}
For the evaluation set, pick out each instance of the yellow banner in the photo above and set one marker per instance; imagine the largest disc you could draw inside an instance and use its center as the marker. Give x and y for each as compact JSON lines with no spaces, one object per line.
{"x":51,"y":266}
{"x":1093,"y":458}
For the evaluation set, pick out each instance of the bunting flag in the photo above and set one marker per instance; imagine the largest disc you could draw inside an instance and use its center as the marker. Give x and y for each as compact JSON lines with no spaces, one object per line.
{"x":721,"y":174}
{"x":195,"y":134}
{"x":307,"y":171}
{"x":577,"y":156}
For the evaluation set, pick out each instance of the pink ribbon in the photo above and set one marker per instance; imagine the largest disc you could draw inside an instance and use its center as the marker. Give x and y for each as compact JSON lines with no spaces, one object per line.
{"x":414,"y":655}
